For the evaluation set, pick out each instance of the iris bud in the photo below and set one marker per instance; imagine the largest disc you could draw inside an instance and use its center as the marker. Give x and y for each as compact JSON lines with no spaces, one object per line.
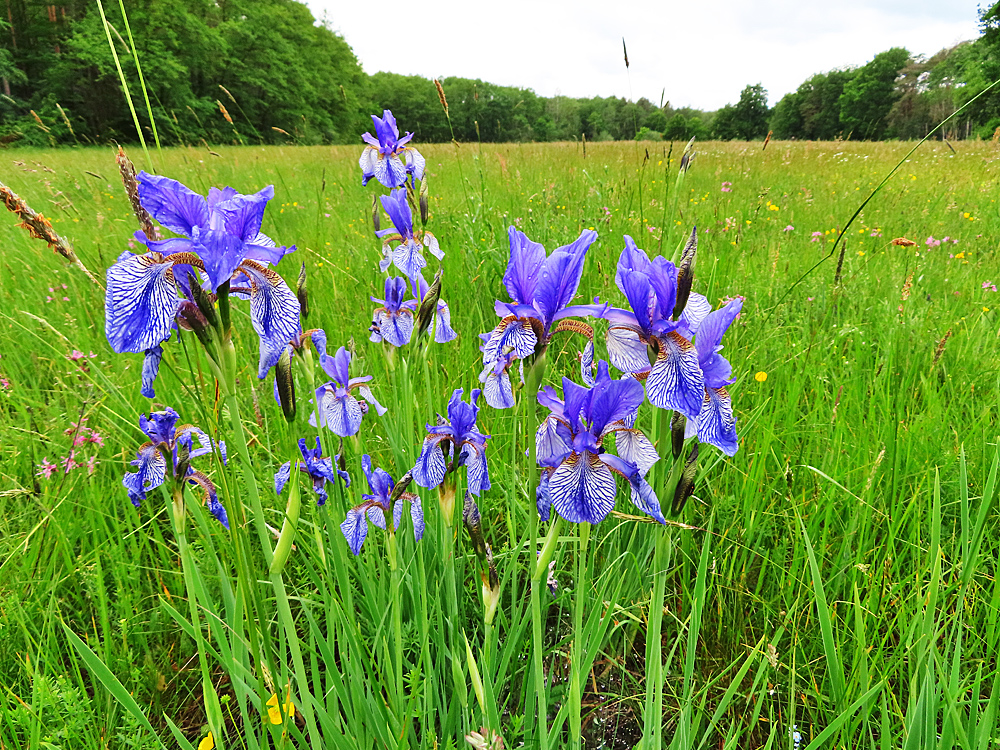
{"x":473,"y":524}
{"x":428,"y":307}
{"x":685,"y":485}
{"x":302,"y":293}
{"x":376,"y":217}
{"x":677,"y":425}
{"x":424,"y":211}
{"x":286,"y":384}
{"x":190,"y":317}
{"x":204,"y":300}
{"x":685,"y":273}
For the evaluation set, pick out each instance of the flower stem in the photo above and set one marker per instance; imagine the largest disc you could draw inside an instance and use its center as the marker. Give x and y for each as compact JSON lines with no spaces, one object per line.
{"x":213,"y":709}
{"x":397,"y":624}
{"x":527,"y":407}
{"x":580,"y":596}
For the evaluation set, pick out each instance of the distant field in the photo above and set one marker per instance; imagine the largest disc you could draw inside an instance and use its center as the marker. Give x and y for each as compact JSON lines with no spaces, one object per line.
{"x":873,"y":388}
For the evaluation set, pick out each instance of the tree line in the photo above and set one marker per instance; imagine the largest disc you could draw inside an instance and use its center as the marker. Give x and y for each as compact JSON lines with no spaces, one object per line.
{"x":264,"y":71}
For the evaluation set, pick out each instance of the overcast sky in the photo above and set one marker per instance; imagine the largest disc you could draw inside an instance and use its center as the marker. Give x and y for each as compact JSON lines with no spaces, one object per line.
{"x":701,"y":53}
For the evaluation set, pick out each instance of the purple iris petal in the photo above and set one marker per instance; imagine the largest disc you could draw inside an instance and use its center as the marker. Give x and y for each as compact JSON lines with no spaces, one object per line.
{"x":431,"y":466}
{"x":716,"y":422}
{"x":641,"y":493}
{"x":524,"y":267}
{"x":140,"y":303}
{"x":390,"y":171}
{"x":632,"y":258}
{"x":150,"y":369}
{"x":218,"y":510}
{"x":543,"y":498}
{"x":159,"y":426}
{"x":676,"y":380}
{"x":174,"y":205}
{"x":282,"y":476}
{"x":560,"y":277}
{"x":582,"y":489}
{"x":341,"y":413}
{"x":243,"y":214}
{"x":396,"y":206}
{"x":708,"y":342}
{"x":355,"y":529}
{"x":152,"y":471}
{"x":274,"y":312}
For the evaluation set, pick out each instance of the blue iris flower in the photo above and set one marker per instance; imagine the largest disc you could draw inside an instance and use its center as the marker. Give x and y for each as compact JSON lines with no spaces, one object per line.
{"x":221,"y":238}
{"x":386,"y":498}
{"x":320,"y":470}
{"x":578,"y":477}
{"x":408,"y":254}
{"x":339,"y":409}
{"x":540,"y":290}
{"x":649,"y":333}
{"x":454,"y":442}
{"x":393,"y":321}
{"x":716,"y":423}
{"x":166,"y":439}
{"x":381,"y":157}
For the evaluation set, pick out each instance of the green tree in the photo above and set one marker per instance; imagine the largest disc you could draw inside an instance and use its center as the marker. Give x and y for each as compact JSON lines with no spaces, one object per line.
{"x":751,"y":113}
{"x":869,"y":95}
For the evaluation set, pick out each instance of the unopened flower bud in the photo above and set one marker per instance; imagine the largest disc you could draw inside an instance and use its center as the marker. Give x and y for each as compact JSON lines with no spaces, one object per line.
{"x":491,"y":589}
{"x":685,"y":485}
{"x":424,"y":210}
{"x":376,"y":217}
{"x":203,"y":299}
{"x":190,"y":317}
{"x":685,"y":273}
{"x":473,"y":524}
{"x":302,"y":293}
{"x":286,"y":384}
{"x":428,"y":307}
{"x":677,"y":425}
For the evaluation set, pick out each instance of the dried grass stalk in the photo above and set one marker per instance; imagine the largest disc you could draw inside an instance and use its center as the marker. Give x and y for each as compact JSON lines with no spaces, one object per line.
{"x":127,"y":170}
{"x":41,"y":229}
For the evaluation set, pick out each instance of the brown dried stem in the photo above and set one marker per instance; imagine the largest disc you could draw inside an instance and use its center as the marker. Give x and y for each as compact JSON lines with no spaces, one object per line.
{"x":127,"y":170}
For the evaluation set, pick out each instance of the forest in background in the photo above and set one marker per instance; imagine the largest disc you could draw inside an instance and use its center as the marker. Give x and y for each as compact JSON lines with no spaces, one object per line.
{"x":265,"y":71}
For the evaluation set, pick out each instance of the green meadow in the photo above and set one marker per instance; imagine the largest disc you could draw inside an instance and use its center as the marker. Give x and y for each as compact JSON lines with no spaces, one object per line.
{"x":832,"y":585}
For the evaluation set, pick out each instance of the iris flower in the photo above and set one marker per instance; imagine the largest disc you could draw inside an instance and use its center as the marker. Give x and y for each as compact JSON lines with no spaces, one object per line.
{"x":320,"y":470}
{"x":166,"y":439}
{"x":394,"y":320}
{"x":454,"y":442}
{"x":650,"y":332}
{"x":220,"y":237}
{"x":339,"y":409}
{"x":408,"y":254}
{"x":381,"y":157}
{"x":716,"y":424}
{"x":386,"y":498}
{"x":540,"y":290}
{"x":578,"y":477}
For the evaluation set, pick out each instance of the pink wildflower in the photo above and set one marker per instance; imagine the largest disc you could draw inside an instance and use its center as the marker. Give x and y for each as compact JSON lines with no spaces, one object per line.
{"x":789,"y":228}
{"x":46,"y":469}
{"x":76,"y":355}
{"x":69,"y":463}
{"x":816,"y":236}
{"x":5,"y":384}
{"x":931,"y":242}
{"x":96,"y":439}
{"x":727,"y":187}
{"x":92,"y":465}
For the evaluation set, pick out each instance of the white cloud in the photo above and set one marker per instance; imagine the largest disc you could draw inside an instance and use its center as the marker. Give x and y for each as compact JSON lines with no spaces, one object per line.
{"x":702,"y":54}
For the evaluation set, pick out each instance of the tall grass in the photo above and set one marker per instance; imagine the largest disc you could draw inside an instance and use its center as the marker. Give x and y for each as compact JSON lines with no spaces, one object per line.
{"x":832,"y":580}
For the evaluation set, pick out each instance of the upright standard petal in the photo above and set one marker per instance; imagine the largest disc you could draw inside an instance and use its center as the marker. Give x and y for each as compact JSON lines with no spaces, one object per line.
{"x":140,"y":303}
{"x":561,"y":275}
{"x":524,"y":268}
{"x":174,"y":205}
{"x":274,"y":312}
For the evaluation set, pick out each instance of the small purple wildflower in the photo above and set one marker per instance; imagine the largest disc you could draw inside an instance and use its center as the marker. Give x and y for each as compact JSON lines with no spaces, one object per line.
{"x":727,"y":187}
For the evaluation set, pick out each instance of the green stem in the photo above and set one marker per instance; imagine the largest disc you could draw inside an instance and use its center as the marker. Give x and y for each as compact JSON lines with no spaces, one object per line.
{"x":537,"y":645}
{"x":213,"y":709}
{"x":398,"y":701}
{"x":580,"y":595}
{"x":248,"y":476}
